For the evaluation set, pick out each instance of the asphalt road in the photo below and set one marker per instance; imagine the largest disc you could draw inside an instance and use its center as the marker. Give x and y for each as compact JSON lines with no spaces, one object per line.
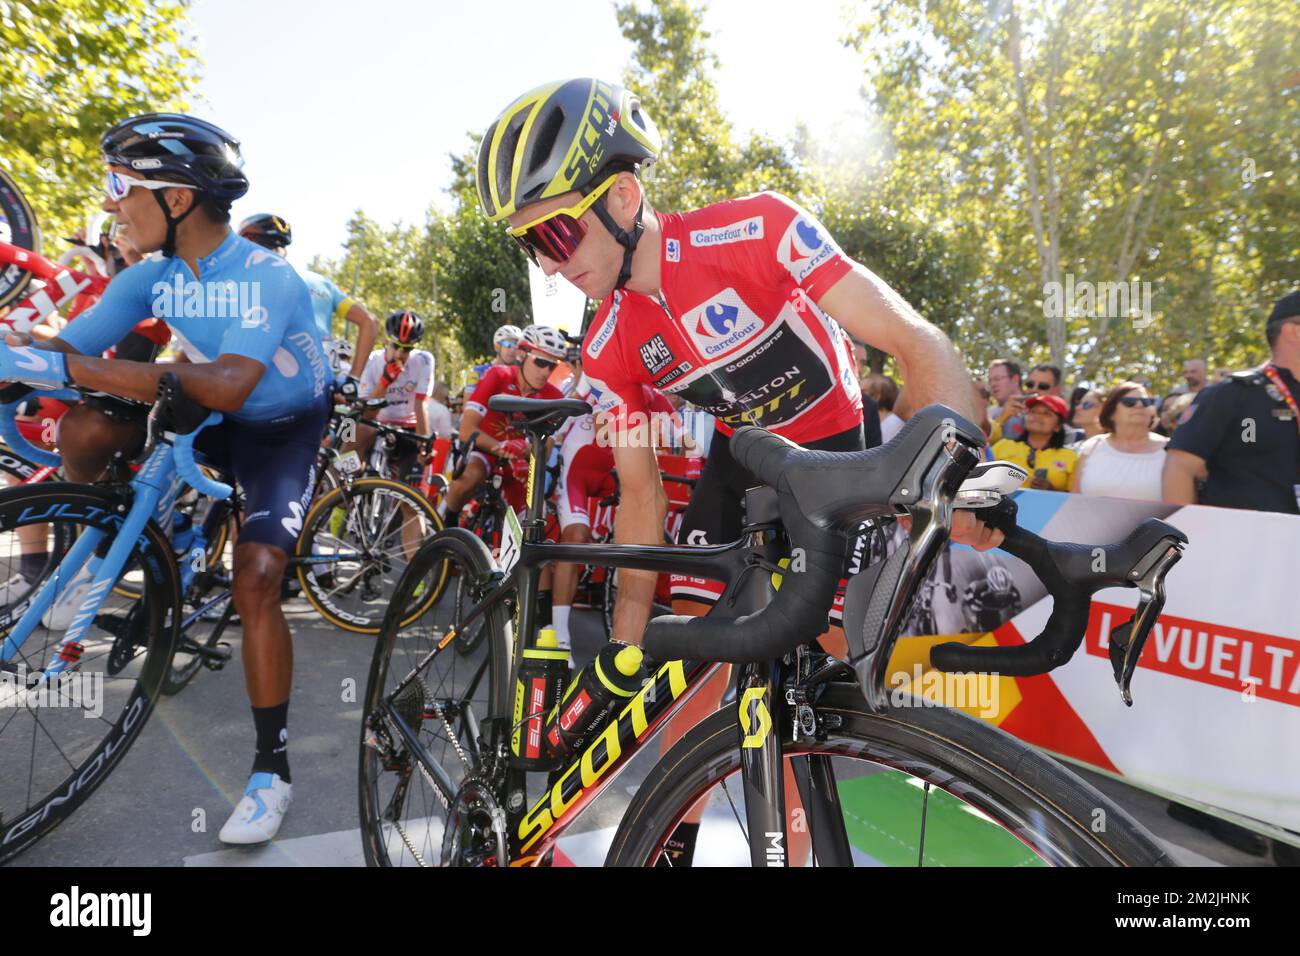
{"x":166,"y":801}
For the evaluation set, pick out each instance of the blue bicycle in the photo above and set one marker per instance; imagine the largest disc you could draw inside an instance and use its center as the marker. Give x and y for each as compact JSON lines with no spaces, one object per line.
{"x":86,"y":651}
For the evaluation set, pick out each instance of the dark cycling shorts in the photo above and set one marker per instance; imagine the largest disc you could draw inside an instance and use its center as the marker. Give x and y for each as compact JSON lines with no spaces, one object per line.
{"x":275,"y":465}
{"x":716,"y":512}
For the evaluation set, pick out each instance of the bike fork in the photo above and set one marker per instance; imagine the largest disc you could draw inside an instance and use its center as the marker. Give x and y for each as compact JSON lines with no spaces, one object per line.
{"x":760,"y":763}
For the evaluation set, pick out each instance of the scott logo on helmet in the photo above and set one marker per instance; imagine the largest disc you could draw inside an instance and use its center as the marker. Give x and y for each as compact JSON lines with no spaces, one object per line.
{"x":587,"y":148}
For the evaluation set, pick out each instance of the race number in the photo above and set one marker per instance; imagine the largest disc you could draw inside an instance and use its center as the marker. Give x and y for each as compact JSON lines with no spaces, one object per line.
{"x":349,"y":463}
{"x":512,"y":536}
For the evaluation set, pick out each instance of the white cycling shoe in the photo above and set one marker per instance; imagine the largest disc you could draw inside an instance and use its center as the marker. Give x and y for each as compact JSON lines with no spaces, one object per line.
{"x":258,"y":815}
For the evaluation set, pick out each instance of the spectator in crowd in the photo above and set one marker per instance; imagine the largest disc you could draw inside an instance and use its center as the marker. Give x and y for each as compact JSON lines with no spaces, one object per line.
{"x":860,"y":358}
{"x":884,"y":391}
{"x":1171,"y":409}
{"x":1085,"y":414}
{"x":1242,"y":437}
{"x":1043,"y":380}
{"x":1194,"y":373}
{"x":1050,"y":465}
{"x":438,"y":411}
{"x":1126,"y":460}
{"x":1007,"y":417}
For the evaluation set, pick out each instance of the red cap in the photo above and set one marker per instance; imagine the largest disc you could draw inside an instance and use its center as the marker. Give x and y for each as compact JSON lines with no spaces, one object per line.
{"x":1054,"y":402}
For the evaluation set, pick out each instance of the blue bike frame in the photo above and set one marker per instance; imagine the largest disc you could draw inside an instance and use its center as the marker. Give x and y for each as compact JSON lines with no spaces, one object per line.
{"x":154,"y":490}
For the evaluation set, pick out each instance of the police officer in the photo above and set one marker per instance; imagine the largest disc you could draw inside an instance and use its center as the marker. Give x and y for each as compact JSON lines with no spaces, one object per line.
{"x":1242,"y":436}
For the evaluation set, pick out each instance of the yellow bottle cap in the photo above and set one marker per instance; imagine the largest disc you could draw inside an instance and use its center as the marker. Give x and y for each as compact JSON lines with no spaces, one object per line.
{"x":628,"y":660}
{"x":547,"y":639}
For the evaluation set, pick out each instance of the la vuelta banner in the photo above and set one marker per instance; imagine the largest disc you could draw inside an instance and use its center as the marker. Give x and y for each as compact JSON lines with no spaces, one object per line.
{"x":1216,"y":711}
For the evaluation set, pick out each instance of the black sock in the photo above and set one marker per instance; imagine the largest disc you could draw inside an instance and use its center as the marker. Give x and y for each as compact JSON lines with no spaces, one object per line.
{"x":680,"y":848}
{"x":272,"y":755}
{"x":31,"y":565}
{"x":451,"y":519}
{"x":543,"y":608}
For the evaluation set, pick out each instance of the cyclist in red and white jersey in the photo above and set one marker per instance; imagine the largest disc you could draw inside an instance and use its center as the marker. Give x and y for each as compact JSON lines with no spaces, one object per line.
{"x":543,"y":348}
{"x":739,"y":307}
{"x":585,"y":473}
{"x":403,"y":374}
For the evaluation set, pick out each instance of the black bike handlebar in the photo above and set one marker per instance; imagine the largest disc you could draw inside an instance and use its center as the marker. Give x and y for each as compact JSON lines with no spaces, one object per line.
{"x":1072,"y":574}
{"x":918,"y":472}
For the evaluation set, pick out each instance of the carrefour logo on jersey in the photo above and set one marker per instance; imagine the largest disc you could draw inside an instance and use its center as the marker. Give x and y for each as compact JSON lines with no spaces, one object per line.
{"x":722,"y":323}
{"x":736,"y":232}
{"x":605,"y":332}
{"x":804,"y":247}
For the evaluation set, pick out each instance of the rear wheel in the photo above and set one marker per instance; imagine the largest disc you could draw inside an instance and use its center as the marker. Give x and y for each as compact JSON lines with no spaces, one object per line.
{"x":918,"y":786}
{"x":60,"y":737}
{"x":355,"y":543}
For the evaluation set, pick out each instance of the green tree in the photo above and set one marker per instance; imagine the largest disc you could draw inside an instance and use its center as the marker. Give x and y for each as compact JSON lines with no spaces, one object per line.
{"x":672,"y":71}
{"x":1112,"y":141}
{"x":69,"y":69}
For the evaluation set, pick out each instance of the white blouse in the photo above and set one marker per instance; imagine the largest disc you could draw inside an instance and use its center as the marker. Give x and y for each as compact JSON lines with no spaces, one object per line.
{"x":1120,"y":474}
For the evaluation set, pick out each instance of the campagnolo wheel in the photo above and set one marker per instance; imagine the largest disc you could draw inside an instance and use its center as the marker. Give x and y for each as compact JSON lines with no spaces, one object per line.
{"x":17,"y":227}
{"x":59,"y":741}
{"x":355,"y":543}
{"x":919,"y":786}
{"x":422,"y":697}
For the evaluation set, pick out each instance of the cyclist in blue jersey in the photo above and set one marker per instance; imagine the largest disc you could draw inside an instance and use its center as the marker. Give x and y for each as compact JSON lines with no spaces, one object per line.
{"x":244,"y":319}
{"x":328,"y":301}
{"x":505,"y":341}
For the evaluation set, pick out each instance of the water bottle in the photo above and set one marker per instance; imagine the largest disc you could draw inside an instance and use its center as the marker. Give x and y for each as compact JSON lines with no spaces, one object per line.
{"x":600,"y":687}
{"x":543,"y":674}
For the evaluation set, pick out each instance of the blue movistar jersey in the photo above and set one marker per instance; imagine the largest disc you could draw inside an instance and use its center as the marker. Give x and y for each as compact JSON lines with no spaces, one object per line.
{"x":327,"y":301}
{"x":249,"y":302}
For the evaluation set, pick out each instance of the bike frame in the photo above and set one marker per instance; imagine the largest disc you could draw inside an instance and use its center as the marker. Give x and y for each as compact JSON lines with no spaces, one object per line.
{"x":154,"y":489}
{"x":533,"y":831}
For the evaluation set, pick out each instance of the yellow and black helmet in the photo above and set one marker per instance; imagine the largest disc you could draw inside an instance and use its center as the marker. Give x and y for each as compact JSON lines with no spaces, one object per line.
{"x":558,"y":138}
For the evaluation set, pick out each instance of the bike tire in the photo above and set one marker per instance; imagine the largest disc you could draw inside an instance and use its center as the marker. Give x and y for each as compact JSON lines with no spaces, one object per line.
{"x":481,"y":685}
{"x":1032,"y":797}
{"x":30,"y":810}
{"x":17,"y":226}
{"x":317,"y":523}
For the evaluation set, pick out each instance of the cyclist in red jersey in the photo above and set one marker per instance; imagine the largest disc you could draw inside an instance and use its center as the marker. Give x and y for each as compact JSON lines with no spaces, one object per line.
{"x":739,"y":307}
{"x":543,"y":348}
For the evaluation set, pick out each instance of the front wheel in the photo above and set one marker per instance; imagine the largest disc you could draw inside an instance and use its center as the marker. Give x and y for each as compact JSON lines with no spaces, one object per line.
{"x":916,"y":786}
{"x":355,"y":543}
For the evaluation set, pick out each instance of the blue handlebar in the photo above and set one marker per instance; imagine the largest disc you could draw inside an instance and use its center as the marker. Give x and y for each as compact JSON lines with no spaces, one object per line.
{"x":13,"y":436}
{"x":183,"y":446}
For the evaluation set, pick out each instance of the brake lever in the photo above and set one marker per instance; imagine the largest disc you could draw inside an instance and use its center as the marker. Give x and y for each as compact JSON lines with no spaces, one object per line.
{"x":1127,"y":640}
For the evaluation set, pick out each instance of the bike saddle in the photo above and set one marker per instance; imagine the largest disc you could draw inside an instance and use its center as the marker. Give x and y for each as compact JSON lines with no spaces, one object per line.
{"x":838,"y":490}
{"x":542,"y":415}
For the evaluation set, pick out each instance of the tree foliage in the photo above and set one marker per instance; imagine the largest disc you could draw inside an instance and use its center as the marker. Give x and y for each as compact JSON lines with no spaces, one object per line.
{"x":1110,"y":141}
{"x":69,"y":70}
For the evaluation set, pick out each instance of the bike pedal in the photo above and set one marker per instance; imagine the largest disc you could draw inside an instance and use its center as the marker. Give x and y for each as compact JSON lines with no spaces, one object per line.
{"x":215,"y":658}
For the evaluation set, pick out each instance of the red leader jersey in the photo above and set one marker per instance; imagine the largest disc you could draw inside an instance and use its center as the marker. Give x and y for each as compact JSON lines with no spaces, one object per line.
{"x":735,"y":329}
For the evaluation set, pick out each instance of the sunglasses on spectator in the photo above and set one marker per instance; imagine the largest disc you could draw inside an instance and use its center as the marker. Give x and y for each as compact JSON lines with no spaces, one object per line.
{"x":558,"y":234}
{"x":118,"y":186}
{"x":1132,"y":401}
{"x":1089,"y":403}
{"x":1041,"y":386}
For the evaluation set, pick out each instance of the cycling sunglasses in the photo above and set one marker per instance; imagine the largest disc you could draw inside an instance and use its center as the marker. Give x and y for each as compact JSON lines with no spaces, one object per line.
{"x":547,"y":364}
{"x":508,"y":344}
{"x":1132,"y":401}
{"x":118,"y":186}
{"x":558,"y":234}
{"x":400,"y":347}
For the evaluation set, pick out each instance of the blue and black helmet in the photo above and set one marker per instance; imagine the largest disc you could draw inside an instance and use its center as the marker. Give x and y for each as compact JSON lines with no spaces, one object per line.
{"x":161,"y":145}
{"x":266,"y":229}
